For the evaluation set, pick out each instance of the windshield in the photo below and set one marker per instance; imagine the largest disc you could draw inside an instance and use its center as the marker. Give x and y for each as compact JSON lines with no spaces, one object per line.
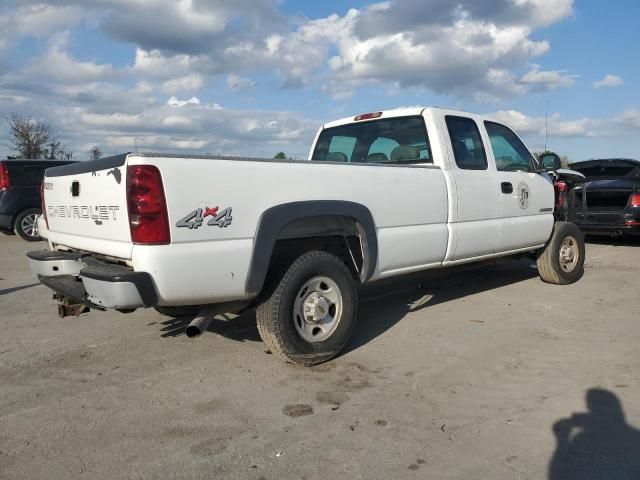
{"x":401,"y":140}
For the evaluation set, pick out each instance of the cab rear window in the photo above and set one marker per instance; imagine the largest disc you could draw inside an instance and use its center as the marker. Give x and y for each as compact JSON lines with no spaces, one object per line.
{"x":401,"y":140}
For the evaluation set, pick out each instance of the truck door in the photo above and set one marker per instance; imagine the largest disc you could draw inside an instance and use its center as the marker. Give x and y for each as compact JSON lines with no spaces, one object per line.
{"x":526,"y":197}
{"x":475,"y":225}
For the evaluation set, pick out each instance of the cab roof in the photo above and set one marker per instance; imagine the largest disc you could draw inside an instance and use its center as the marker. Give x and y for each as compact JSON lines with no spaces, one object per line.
{"x":399,"y":112}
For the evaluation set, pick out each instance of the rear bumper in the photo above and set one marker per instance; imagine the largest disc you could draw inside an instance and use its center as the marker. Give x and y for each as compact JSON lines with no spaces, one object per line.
{"x":620,"y":229}
{"x":626,"y":222}
{"x":6,"y":222}
{"x":93,"y":282}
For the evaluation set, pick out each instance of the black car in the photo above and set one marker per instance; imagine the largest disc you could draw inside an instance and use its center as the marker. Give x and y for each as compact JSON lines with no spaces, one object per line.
{"x":20,"y":200}
{"x":607,"y":201}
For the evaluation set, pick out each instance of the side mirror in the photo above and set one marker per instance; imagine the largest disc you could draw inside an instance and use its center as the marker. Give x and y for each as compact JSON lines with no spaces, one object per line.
{"x":550,"y":161}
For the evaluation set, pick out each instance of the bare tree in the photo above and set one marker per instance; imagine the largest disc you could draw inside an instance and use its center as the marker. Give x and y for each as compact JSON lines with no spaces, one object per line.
{"x":29,"y":138}
{"x":35,"y":139}
{"x":54,"y":150}
{"x":95,"y":153}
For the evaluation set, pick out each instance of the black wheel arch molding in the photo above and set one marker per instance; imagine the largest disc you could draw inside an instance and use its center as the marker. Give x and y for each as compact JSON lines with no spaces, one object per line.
{"x":275,"y":219}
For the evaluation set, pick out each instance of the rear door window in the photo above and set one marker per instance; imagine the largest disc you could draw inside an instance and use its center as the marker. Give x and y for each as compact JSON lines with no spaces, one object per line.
{"x":401,"y":140}
{"x":466,"y":143}
{"x":341,"y":149}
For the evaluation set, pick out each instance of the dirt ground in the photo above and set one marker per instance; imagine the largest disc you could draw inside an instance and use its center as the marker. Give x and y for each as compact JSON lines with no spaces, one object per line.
{"x":478,"y":373}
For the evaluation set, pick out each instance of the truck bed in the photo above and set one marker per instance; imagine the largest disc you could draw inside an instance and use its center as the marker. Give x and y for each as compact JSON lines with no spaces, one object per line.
{"x":205,"y":182}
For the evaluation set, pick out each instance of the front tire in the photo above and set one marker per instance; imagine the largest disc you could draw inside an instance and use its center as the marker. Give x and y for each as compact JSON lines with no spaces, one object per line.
{"x":561,"y":262}
{"x":308,"y":314}
{"x":25,"y":225}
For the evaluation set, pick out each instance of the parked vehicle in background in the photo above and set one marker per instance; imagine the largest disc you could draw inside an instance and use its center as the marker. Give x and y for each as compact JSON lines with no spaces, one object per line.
{"x":20,"y":199}
{"x":382,"y":194}
{"x":607,"y":201}
{"x":564,"y":180}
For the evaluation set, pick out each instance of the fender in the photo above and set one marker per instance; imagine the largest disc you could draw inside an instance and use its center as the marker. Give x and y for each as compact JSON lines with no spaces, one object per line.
{"x":275,"y":219}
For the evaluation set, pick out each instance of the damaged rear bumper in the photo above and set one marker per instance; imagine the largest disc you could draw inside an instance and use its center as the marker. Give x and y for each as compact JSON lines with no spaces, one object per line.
{"x":92,"y":282}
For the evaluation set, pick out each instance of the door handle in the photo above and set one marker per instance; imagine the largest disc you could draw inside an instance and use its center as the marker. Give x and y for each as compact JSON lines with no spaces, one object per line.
{"x":506,"y":187}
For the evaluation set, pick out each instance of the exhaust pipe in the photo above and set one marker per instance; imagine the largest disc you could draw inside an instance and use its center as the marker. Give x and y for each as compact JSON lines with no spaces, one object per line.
{"x":206,"y":314}
{"x":198,"y":325}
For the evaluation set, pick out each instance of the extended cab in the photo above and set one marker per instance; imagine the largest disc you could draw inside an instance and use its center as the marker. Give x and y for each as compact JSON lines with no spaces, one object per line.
{"x":382,"y":194}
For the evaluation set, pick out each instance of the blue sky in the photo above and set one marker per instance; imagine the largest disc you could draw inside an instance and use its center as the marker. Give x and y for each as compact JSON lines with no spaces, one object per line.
{"x":258,"y":76}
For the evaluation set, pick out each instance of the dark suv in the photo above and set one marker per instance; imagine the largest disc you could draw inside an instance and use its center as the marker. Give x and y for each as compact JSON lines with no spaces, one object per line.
{"x":20,"y":195}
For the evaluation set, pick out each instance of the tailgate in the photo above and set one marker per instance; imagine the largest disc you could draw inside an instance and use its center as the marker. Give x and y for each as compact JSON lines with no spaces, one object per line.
{"x":86,"y":205}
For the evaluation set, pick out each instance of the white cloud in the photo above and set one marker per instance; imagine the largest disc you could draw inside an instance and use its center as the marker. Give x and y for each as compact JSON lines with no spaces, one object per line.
{"x":176,"y":121}
{"x":239,"y":84}
{"x":186,"y":26}
{"x":485,"y":51}
{"x":188,"y":83}
{"x":467,"y":49}
{"x":629,"y":119}
{"x":199,"y":128}
{"x":546,"y":12}
{"x":144,"y":88}
{"x":174,"y":102}
{"x":609,"y":81}
{"x":464,"y":48}
{"x":39,"y":20}
{"x":557,"y":127}
{"x":111,"y":120}
{"x":13,"y":99}
{"x":155,"y":65}
{"x":55,"y":65}
{"x":543,"y":80}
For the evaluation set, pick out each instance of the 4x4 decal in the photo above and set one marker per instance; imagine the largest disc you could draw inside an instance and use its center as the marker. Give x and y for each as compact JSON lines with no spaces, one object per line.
{"x":195,"y":219}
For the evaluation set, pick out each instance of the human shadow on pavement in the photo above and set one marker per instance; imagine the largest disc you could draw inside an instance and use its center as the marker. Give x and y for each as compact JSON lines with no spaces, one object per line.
{"x":598,"y":444}
{"x":386,"y":302}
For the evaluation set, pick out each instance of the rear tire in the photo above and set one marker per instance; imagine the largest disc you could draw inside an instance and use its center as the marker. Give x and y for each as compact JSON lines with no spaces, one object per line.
{"x":308,"y":314}
{"x":25,"y":225}
{"x":561,"y":262}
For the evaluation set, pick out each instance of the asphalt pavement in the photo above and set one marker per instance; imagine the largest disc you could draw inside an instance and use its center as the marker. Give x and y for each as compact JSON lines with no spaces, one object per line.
{"x":481,"y":372}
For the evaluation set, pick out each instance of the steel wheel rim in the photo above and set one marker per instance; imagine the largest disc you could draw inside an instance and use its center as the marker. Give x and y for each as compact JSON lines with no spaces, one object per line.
{"x":29,"y":225}
{"x":569,"y":254}
{"x":317,"y":310}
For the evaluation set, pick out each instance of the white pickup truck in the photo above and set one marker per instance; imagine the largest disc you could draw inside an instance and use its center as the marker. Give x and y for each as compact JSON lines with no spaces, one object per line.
{"x":382,"y":194}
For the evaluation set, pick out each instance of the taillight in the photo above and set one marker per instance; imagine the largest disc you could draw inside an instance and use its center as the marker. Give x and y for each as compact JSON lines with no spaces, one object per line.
{"x":42,"y":206}
{"x":148,"y":218}
{"x":562,"y":190}
{"x":368,"y":116}
{"x":634,"y":200}
{"x":561,"y":186}
{"x":4,"y":177}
